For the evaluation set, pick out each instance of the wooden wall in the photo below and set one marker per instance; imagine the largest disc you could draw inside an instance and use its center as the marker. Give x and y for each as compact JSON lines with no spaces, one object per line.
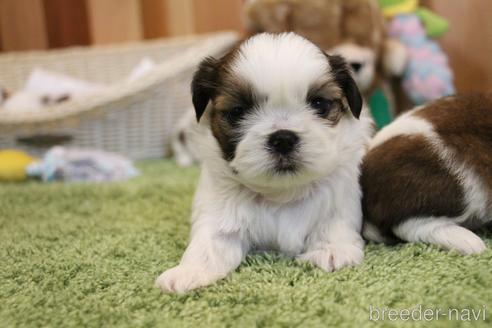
{"x":67,"y":22}
{"x":23,"y":25}
{"x":42,"y":24}
{"x":468,"y":43}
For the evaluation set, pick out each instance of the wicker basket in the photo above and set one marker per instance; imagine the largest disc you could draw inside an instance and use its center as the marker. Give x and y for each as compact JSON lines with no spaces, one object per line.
{"x":134,"y":119}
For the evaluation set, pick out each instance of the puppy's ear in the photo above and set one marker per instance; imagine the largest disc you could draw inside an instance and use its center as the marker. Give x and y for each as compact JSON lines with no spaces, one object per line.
{"x":344,"y":79}
{"x":204,"y":85}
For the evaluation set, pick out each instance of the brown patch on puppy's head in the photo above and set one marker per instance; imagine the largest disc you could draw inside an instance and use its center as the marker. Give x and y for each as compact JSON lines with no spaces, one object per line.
{"x":344,"y":79}
{"x":229,"y":97}
{"x":209,"y":78}
{"x":235,"y":100}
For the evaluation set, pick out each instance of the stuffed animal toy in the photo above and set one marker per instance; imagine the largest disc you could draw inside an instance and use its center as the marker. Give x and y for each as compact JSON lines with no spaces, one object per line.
{"x":427,"y":75}
{"x":81,"y":165}
{"x":354,"y":29}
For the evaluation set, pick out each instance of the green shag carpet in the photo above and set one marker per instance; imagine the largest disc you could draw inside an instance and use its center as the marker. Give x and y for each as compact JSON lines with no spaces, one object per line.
{"x":87,"y":256}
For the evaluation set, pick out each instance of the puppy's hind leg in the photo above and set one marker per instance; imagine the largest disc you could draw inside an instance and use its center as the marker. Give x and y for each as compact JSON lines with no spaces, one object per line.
{"x":440,"y":231}
{"x":371,"y":232}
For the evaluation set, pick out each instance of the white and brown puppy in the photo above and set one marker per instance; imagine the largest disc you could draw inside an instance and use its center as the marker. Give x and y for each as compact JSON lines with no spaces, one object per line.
{"x":185,"y":140}
{"x":284,"y":137}
{"x":428,"y":175}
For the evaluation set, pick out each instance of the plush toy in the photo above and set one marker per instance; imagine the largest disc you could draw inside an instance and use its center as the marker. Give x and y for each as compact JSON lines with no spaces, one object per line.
{"x":13,"y":165}
{"x":81,"y":165}
{"x":427,"y":75}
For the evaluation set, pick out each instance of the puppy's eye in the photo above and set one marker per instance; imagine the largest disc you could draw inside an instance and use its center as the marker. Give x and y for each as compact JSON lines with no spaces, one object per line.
{"x":322,"y":105}
{"x":234,"y":114}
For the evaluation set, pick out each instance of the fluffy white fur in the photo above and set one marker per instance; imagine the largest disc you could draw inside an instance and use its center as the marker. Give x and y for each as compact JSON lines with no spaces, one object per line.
{"x":315,"y":215}
{"x":444,"y":232}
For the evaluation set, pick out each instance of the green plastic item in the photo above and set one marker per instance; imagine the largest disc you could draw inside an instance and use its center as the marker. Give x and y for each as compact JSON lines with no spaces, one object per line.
{"x":435,"y":25}
{"x":380,"y":110}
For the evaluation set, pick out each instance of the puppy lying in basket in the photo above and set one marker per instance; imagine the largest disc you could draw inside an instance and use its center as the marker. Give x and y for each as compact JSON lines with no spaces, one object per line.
{"x":284,"y":134}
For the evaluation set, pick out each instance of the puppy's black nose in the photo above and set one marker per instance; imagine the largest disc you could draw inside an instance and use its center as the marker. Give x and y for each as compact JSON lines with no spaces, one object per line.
{"x":356,"y":66}
{"x":282,"y":141}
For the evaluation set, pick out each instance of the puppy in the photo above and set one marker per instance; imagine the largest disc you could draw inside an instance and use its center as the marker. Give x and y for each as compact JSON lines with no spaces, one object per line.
{"x":428,"y":176}
{"x":284,"y":137}
{"x":184,"y":140}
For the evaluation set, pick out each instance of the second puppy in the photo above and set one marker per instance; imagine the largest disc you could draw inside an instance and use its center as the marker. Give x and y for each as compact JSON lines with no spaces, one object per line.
{"x":428,"y":175}
{"x":283,"y":137}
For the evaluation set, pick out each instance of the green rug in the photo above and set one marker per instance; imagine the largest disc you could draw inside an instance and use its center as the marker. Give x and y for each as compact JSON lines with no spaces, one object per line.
{"x":87,"y":256}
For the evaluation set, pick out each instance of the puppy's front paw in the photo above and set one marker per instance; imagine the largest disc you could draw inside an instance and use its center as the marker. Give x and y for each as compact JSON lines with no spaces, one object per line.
{"x":334,"y":256}
{"x":182,"y":279}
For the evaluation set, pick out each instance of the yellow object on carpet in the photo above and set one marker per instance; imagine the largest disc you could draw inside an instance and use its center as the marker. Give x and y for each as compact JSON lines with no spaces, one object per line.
{"x":13,"y":165}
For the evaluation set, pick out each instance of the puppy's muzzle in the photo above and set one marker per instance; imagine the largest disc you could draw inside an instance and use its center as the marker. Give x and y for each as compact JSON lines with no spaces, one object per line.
{"x":282,"y":142}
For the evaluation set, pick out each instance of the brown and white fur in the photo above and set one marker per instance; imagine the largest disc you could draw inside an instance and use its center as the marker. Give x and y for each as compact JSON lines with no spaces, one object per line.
{"x":428,"y":176}
{"x":283,"y":135}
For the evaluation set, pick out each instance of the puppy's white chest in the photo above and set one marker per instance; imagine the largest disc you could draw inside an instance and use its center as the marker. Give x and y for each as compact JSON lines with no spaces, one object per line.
{"x":285,"y":227}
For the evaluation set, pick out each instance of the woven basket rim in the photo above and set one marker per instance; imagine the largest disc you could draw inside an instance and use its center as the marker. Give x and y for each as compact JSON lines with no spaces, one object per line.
{"x":206,"y":45}
{"x":117,"y":47}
